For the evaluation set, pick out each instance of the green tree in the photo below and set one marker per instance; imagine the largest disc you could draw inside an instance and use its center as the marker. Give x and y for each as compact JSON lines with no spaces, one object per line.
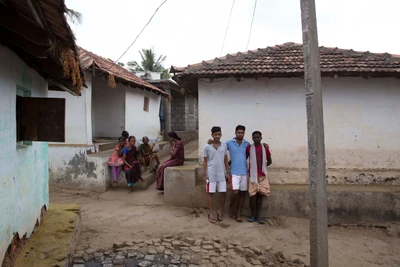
{"x":150,"y":62}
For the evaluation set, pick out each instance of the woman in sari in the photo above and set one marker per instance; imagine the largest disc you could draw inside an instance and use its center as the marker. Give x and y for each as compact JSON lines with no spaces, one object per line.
{"x":131,"y":163}
{"x":177,"y":158}
{"x":149,"y":156}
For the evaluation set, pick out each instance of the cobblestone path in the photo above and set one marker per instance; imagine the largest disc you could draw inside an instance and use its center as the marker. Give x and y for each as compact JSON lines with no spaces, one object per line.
{"x":182,"y":252}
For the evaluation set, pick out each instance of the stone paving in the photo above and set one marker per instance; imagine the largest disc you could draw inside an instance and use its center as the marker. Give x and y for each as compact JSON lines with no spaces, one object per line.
{"x":173,"y":251}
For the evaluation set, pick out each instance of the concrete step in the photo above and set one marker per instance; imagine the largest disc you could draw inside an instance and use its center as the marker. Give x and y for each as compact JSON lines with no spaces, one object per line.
{"x":148,"y":177}
{"x":103,"y":145}
{"x":192,"y":157}
{"x":346,"y":203}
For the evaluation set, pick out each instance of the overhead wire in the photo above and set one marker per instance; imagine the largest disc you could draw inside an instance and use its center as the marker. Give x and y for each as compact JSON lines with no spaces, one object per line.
{"x":148,"y":22}
{"x":227,"y":27}
{"x":251,"y":25}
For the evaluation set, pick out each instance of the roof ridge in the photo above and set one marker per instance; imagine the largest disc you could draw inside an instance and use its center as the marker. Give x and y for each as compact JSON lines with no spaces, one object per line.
{"x":287,"y":60}
{"x":286,"y":45}
{"x":116,"y":70}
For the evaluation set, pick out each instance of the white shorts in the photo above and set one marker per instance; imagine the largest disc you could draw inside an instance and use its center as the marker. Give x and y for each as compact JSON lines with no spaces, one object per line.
{"x":212,"y":187}
{"x":239,"y":182}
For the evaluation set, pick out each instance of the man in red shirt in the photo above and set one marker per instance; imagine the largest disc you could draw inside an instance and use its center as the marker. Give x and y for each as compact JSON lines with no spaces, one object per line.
{"x":259,"y":158}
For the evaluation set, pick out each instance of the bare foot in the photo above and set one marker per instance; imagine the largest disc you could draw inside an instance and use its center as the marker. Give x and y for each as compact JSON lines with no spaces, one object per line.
{"x":231,"y":212}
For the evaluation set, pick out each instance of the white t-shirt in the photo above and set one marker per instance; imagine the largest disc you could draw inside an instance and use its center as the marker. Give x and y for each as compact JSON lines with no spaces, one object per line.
{"x":215,"y":162}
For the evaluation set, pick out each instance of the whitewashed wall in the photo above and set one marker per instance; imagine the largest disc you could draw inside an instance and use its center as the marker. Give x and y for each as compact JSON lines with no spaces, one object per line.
{"x":78,"y":117}
{"x":361,"y":117}
{"x":108,"y":108}
{"x":139,"y":122}
{"x":24,"y":169}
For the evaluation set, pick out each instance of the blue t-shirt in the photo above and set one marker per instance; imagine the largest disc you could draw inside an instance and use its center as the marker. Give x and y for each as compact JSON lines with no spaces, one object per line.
{"x":238,"y":156}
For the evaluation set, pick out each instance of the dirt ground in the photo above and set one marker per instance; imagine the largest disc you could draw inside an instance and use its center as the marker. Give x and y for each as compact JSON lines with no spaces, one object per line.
{"x":116,"y":216}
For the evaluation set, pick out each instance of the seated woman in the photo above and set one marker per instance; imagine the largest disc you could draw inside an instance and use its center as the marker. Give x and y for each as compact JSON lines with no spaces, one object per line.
{"x":131,"y":163}
{"x":149,"y":157}
{"x":115,"y":161}
{"x":177,"y":158}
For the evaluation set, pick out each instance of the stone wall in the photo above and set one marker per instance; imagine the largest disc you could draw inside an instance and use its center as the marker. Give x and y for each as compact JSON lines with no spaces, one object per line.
{"x":183,"y":112}
{"x":177,"y":111}
{"x":191,"y":113}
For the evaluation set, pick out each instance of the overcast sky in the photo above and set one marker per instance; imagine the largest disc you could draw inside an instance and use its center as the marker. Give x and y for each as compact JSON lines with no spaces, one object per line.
{"x":189,"y":31}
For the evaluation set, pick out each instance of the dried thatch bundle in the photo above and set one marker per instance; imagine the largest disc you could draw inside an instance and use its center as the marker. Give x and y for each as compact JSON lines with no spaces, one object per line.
{"x":70,"y":63}
{"x":71,"y":67}
{"x":111,"y":81}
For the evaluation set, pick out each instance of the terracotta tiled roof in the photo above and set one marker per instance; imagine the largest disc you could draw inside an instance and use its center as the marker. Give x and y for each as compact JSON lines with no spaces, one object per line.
{"x":106,"y":66}
{"x":287,"y":60}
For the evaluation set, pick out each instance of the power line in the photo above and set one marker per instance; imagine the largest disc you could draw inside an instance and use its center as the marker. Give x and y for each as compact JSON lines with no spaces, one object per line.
{"x":138,"y":35}
{"x":227,"y":26}
{"x":251,"y":25}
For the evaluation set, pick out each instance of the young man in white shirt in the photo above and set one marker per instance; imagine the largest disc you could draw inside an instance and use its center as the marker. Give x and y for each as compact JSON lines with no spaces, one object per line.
{"x":215,"y":169}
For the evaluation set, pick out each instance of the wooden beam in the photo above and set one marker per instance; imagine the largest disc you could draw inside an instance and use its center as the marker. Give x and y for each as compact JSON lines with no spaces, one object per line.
{"x":37,"y":11}
{"x":20,"y":26}
{"x":24,"y":44}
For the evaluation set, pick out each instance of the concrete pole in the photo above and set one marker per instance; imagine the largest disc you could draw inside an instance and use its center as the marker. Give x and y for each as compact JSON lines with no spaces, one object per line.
{"x":316,"y":142}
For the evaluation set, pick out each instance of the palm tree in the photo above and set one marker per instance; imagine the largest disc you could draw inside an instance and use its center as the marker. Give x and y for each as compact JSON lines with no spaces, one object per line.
{"x":149,"y":62}
{"x":74,"y":16}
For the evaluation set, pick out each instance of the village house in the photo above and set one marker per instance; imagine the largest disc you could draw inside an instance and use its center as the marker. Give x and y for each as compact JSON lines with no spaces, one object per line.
{"x":264,"y":90}
{"x":115,"y":100}
{"x":38,"y":52}
{"x":179,"y":114}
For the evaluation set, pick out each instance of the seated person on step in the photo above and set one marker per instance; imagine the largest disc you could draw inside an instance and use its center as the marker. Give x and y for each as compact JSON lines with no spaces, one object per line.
{"x":149,"y":157}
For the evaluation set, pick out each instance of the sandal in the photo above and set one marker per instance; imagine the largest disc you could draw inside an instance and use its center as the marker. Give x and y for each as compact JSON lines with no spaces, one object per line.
{"x":239,"y":219}
{"x":211,"y":220}
{"x":220,"y":217}
{"x":259,"y":220}
{"x":251,"y":219}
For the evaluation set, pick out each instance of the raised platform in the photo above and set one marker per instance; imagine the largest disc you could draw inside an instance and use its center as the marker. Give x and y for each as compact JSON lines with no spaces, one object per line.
{"x":54,"y":241}
{"x":346,"y":203}
{"x":73,"y":167}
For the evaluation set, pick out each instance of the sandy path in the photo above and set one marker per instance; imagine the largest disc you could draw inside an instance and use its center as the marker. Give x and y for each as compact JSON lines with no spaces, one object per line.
{"x":118,"y":216}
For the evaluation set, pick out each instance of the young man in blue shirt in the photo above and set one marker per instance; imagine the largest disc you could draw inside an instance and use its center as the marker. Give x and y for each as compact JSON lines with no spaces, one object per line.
{"x":238,"y":171}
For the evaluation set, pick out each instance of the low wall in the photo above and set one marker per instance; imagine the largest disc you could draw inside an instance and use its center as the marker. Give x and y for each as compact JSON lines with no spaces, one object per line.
{"x":70,"y":167}
{"x":346,"y":202}
{"x":336,"y":176}
{"x":78,"y":167}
